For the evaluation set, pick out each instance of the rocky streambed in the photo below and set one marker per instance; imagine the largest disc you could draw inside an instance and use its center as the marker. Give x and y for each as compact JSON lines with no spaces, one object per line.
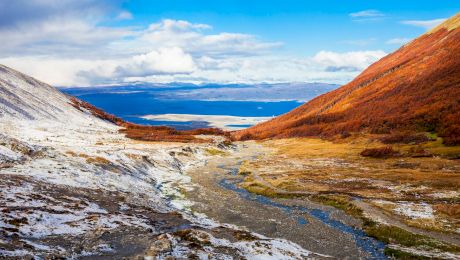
{"x":321,"y":229}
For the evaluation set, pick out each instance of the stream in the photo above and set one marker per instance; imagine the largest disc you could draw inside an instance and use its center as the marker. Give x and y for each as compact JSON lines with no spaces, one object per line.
{"x":372,"y":246}
{"x":315,"y":227}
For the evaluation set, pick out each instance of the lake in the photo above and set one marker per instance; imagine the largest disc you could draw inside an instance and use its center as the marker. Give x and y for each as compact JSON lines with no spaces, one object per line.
{"x":182,"y":108}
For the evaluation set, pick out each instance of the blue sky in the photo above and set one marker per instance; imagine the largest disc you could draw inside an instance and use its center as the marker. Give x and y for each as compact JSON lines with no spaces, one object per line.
{"x":94,"y":42}
{"x":305,"y":27}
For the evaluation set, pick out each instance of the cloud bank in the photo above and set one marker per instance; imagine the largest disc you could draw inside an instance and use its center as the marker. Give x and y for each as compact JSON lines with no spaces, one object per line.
{"x":73,"y":43}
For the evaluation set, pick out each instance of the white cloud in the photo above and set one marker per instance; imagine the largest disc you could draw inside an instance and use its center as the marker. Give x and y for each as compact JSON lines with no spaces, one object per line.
{"x":324,"y":67}
{"x":357,"y":59}
{"x":367,"y":14}
{"x":57,"y":71}
{"x":59,"y":37}
{"x":427,"y":24}
{"x":190,"y":37}
{"x":57,"y":27}
{"x":398,"y":41}
{"x":176,"y":25}
{"x":173,"y":65}
{"x":125,"y":15}
{"x":71,"y":48}
{"x":164,"y":61}
{"x":19,"y":12}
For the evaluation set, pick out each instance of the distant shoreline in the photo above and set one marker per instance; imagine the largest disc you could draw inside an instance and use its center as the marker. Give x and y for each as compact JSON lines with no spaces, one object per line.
{"x":220,"y":121}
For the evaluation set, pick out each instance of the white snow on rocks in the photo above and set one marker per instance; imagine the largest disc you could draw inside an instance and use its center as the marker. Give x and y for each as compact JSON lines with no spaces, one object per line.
{"x":44,"y":139}
{"x":47,"y":216}
{"x":415,"y":210}
{"x":24,"y":97}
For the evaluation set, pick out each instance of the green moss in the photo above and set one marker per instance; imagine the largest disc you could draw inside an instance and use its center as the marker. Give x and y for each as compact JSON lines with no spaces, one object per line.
{"x":396,"y":235}
{"x":384,"y":233}
{"x":432,"y":135}
{"x":339,"y":202}
{"x":259,"y":189}
{"x":398,"y":254}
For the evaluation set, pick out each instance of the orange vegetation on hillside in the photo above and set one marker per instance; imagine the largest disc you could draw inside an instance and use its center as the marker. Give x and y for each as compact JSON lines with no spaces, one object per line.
{"x":148,"y":133}
{"x":416,"y":88}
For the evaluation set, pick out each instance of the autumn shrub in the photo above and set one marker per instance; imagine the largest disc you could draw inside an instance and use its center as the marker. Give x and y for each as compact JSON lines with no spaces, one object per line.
{"x":85,"y":106}
{"x":419,"y":152}
{"x":345,"y":134}
{"x":245,"y":137}
{"x":452,"y":210}
{"x":381,"y":152}
{"x":153,"y":133}
{"x":405,"y":138}
{"x":451,"y":135}
{"x":206,"y":131}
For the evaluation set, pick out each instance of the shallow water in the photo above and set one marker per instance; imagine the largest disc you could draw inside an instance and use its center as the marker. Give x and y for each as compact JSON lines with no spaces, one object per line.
{"x":370,"y":245}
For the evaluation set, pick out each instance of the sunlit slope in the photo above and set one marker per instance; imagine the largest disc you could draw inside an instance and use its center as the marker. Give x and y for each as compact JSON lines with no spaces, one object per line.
{"x":415,"y":88}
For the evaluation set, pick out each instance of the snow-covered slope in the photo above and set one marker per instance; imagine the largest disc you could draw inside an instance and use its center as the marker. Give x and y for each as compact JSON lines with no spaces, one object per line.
{"x":72,"y":186}
{"x":23,"y":97}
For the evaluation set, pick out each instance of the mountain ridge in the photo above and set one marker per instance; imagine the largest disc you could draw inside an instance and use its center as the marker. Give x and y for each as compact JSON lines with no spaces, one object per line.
{"x":24,"y":97}
{"x":415,"y":88}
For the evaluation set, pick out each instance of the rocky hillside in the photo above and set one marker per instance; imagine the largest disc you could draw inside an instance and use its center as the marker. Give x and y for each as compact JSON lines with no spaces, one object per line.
{"x":72,"y":186}
{"x":23,"y":97}
{"x":416,"y":88}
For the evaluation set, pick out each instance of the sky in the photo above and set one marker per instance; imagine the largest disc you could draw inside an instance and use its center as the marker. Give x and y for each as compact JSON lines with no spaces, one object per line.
{"x":105,"y":42}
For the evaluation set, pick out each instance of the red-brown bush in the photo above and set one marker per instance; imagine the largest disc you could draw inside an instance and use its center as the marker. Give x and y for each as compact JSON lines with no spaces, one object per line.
{"x":405,"y":138}
{"x":382,"y":152}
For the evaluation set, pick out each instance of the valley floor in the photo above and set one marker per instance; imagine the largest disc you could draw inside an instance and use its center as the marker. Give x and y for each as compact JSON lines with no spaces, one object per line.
{"x":86,"y":191}
{"x":83,"y":190}
{"x":314,"y":226}
{"x":409,"y":201}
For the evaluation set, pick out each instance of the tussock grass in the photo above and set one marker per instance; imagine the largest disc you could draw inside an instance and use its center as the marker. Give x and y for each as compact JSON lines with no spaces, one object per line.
{"x":381,"y":152}
{"x":215,"y":152}
{"x":97,"y":160}
{"x":339,"y":202}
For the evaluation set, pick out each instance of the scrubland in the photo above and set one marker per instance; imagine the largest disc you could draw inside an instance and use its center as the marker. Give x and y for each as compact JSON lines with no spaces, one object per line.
{"x":406,"y":193}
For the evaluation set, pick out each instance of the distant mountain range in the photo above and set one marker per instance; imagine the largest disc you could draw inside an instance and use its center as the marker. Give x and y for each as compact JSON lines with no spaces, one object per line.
{"x":216,"y":92}
{"x":416,"y":88}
